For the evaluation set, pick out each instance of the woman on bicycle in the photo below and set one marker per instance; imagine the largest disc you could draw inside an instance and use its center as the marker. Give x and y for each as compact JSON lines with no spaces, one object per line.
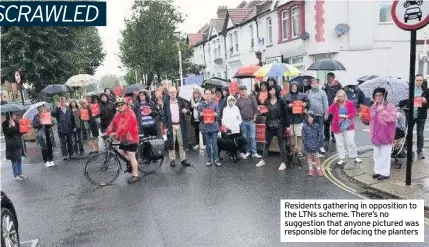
{"x":124,"y":127}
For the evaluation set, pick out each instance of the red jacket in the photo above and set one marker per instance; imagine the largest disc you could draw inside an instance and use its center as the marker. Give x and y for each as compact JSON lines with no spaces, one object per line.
{"x":125,"y":126}
{"x":334,"y":109}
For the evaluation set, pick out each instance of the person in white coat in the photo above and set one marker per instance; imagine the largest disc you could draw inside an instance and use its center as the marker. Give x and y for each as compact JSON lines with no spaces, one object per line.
{"x":231,"y":119}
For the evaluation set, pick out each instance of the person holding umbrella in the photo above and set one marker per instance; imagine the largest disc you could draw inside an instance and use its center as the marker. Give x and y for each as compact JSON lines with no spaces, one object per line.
{"x":44,"y":137}
{"x":14,"y":145}
{"x":331,"y":88}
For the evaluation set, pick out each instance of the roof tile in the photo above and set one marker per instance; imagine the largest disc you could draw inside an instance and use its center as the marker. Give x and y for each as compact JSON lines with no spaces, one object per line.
{"x":238,"y":15}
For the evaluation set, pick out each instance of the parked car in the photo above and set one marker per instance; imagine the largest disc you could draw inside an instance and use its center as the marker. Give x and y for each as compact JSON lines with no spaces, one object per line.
{"x":413,"y":13}
{"x":9,"y":223}
{"x":408,"y":3}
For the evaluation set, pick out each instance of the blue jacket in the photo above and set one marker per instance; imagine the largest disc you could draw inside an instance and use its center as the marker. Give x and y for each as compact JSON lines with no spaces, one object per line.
{"x":209,"y":128}
{"x":66,"y":123}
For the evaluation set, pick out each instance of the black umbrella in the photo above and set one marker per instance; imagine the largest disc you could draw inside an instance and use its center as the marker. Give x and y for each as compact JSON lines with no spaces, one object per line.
{"x":366,"y":78}
{"x":215,"y":82}
{"x":135,"y":88}
{"x":56,"y":89}
{"x":12,"y":107}
{"x":300,"y":80}
{"x":326,"y":64}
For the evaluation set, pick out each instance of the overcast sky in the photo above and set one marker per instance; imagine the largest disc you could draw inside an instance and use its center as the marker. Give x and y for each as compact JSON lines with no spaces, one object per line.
{"x":198,"y":12}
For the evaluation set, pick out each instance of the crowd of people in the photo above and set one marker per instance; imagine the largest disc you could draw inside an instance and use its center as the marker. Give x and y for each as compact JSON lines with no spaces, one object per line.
{"x":303,"y":117}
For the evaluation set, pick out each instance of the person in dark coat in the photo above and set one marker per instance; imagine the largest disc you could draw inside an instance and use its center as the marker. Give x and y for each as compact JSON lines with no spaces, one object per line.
{"x":174,"y":121}
{"x":195,"y":116}
{"x":78,"y":133}
{"x":331,"y":88}
{"x":297,"y":119}
{"x":222,"y":102}
{"x":420,"y":112}
{"x":44,"y":137}
{"x":110,"y":94}
{"x":146,"y":113}
{"x":66,"y":127}
{"x":107,"y":112}
{"x":14,"y":145}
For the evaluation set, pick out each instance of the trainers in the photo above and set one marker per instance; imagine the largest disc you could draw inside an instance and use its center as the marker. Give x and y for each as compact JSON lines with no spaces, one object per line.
{"x":341,"y":162}
{"x":209,"y":163}
{"x":282,"y":167}
{"x":196,"y":147}
{"x":358,"y":160}
{"x":172,"y":163}
{"x":23,"y":176}
{"x":319,"y":172}
{"x":217,"y":163}
{"x":185,"y":163}
{"x":133,"y":179}
{"x":243,"y":156}
{"x":260,"y":163}
{"x":247,"y":154}
{"x":19,"y":178}
{"x":310,"y":172}
{"x":66,"y":158}
{"x":48,"y":164}
{"x":202,"y":147}
{"x":52,"y":163}
{"x":322,"y":150}
{"x":256,"y":156}
{"x":420,"y":156}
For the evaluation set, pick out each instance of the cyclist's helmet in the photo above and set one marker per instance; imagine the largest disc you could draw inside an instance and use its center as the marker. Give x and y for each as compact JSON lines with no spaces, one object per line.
{"x":120,"y":101}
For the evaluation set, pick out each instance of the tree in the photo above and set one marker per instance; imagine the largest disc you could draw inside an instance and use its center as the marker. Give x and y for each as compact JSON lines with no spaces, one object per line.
{"x":149,"y":43}
{"x":49,"y":55}
{"x":110,"y":81}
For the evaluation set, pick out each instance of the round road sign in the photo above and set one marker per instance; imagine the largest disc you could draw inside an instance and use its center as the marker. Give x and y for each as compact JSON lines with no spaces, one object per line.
{"x":410,"y":15}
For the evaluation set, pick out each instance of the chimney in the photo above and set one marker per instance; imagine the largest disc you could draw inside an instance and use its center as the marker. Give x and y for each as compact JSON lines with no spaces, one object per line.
{"x":221,"y":11}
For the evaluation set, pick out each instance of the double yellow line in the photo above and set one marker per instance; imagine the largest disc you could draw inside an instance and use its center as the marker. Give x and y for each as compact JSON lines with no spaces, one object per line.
{"x":327,"y":171}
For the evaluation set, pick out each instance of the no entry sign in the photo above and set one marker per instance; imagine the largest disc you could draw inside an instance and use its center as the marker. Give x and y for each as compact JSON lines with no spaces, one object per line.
{"x":410,"y":15}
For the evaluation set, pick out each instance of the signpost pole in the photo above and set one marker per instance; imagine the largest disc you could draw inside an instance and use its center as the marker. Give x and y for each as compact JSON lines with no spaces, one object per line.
{"x":411,"y":110}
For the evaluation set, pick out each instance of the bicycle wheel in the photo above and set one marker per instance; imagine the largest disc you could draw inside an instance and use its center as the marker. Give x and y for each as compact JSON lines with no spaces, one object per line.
{"x":102,"y":169}
{"x":146,"y":163}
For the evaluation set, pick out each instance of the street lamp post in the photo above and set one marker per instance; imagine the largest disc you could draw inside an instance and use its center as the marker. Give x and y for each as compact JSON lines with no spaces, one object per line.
{"x":180,"y":64}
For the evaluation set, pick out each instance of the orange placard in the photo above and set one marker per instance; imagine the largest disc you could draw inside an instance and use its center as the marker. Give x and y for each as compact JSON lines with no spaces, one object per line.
{"x":418,"y":101}
{"x":209,"y":117}
{"x":260,"y":132}
{"x":297,"y":107}
{"x":263,"y":109}
{"x":95,"y":109}
{"x":24,"y":126}
{"x":263,"y":96}
{"x":84,"y":115}
{"x":364,"y":114}
{"x":146,"y":110}
{"x":233,"y":88}
{"x":45,"y":118}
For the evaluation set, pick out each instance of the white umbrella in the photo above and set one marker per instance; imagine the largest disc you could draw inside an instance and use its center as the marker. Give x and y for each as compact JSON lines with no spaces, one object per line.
{"x":32,"y":111}
{"x":397,"y":89}
{"x":81,"y":80}
{"x":186,"y":91}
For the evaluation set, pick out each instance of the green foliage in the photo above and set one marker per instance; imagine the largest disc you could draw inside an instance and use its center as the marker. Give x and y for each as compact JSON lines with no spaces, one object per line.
{"x":49,"y":55}
{"x":149,"y":43}
{"x":110,"y":81}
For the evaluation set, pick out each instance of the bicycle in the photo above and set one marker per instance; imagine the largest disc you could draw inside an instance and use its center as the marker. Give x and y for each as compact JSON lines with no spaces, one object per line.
{"x":149,"y":160}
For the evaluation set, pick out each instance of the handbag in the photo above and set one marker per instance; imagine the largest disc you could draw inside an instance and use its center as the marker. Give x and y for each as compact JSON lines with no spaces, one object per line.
{"x":345,"y":124}
{"x":273,"y":124}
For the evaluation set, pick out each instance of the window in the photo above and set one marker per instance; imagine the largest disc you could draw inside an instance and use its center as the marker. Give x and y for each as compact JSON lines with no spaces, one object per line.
{"x":295,"y":22}
{"x":209,"y":55}
{"x":285,"y":25}
{"x":236,"y":41}
{"x":231,"y":48}
{"x":252,"y":38}
{"x":385,"y":12}
{"x":322,"y":75}
{"x":218,"y":47}
{"x":270,"y":31}
{"x":298,"y":62}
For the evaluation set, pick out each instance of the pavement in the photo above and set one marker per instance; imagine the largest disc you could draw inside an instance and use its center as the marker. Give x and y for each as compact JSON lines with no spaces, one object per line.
{"x":232,"y":205}
{"x":395,"y":185}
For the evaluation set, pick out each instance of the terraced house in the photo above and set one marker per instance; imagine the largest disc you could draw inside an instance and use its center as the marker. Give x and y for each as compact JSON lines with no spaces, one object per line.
{"x":359,"y":34}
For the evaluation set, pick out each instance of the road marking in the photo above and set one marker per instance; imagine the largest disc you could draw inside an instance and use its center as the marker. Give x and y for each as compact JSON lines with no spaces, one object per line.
{"x":30,"y":243}
{"x":328,"y":175}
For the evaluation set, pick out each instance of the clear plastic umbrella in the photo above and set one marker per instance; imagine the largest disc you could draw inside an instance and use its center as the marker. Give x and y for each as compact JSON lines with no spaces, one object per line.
{"x":81,"y":80}
{"x":32,"y":111}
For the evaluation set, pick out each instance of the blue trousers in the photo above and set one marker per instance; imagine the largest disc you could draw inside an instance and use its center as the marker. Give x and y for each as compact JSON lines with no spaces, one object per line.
{"x":249,"y":132}
{"x":320,"y":120}
{"x":211,"y":146}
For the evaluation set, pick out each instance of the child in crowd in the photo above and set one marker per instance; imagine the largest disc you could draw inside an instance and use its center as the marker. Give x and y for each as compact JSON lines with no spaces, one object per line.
{"x":310,"y":131}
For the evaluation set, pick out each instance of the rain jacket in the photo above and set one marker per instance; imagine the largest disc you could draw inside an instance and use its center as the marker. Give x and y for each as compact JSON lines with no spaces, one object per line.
{"x":334,"y":109}
{"x":125,"y":126}
{"x":310,"y":137}
{"x":382,"y":124}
